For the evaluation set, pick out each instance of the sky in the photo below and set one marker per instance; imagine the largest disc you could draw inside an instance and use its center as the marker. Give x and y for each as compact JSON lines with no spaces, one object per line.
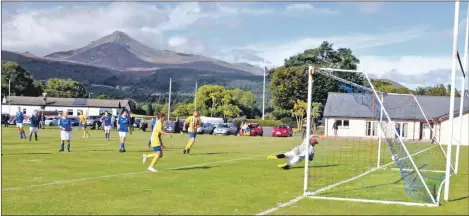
{"x":408,"y":42}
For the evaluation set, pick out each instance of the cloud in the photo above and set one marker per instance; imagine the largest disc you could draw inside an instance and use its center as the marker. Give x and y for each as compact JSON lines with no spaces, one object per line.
{"x":305,"y":7}
{"x":277,"y":52}
{"x":370,"y":7}
{"x":69,"y":26}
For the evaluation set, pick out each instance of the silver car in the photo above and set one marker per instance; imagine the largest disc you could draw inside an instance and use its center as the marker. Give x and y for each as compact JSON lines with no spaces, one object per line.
{"x":225,"y":129}
{"x":207,"y":128}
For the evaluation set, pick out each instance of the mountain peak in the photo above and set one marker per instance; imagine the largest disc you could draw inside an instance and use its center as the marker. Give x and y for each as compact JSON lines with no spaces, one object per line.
{"x":116,"y":37}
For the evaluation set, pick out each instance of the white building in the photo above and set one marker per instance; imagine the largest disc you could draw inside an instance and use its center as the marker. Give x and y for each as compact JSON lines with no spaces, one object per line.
{"x":357,"y":116}
{"x":70,"y":105}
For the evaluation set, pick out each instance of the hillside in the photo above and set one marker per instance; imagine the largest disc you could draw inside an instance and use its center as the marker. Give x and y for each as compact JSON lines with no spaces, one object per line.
{"x":121,"y":52}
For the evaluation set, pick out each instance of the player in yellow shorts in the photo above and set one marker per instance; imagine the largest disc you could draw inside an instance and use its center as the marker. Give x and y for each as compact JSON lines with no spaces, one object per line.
{"x":82,"y":119}
{"x":193,"y":122}
{"x":156,"y":144}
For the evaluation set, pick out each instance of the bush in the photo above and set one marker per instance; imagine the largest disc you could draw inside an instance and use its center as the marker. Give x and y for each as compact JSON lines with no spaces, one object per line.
{"x":289,"y":121}
{"x":238,"y":121}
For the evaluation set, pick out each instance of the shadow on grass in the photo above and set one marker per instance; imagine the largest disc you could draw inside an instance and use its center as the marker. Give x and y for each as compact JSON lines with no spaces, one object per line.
{"x":458,"y":199}
{"x":31,"y":153}
{"x":195,"y":167}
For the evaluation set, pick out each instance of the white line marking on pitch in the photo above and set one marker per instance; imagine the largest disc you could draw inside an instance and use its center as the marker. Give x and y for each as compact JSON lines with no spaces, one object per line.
{"x":124,"y":174}
{"x":335,"y":185}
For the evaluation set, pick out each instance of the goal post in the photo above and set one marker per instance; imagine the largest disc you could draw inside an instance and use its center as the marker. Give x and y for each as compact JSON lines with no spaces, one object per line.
{"x":348,"y":168}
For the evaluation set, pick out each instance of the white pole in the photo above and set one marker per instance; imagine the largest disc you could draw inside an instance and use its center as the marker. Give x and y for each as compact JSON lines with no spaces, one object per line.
{"x":9,"y":96}
{"x":308,"y":127}
{"x":263,"y":95}
{"x":169,"y":99}
{"x":195,"y":96}
{"x":465,"y":66}
{"x":451,"y":105}
{"x":380,"y":131}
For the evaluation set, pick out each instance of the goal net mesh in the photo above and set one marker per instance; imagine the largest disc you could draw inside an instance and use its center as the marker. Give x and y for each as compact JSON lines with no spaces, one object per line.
{"x":378,"y":148}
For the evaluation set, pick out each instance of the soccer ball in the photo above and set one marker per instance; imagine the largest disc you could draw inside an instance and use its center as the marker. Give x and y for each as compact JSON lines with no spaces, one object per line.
{"x":394,"y":157}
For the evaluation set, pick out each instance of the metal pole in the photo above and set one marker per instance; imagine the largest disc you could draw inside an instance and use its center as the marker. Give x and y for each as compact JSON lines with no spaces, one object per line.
{"x":308,"y":128}
{"x":169,"y":100}
{"x":263,"y":95}
{"x":465,"y":65}
{"x":9,"y":96}
{"x":195,"y":97}
{"x":380,"y":131}
{"x":451,"y":105}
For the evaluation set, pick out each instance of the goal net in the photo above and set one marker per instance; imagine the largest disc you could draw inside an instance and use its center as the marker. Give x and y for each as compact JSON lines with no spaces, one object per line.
{"x":379,"y":147}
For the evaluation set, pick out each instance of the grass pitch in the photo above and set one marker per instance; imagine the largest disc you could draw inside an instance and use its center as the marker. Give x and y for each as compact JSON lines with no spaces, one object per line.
{"x":222,"y":175}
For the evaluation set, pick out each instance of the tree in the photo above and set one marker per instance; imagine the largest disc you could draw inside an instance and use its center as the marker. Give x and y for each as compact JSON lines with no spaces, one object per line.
{"x":65,"y":88}
{"x":183,"y":110}
{"x":316,"y":110}
{"x":436,"y":90}
{"x":289,"y":82}
{"x":299,"y":111}
{"x":22,"y":81}
{"x":150,"y":110}
{"x":208,"y":98}
{"x":384,"y":86}
{"x":102,"y":96}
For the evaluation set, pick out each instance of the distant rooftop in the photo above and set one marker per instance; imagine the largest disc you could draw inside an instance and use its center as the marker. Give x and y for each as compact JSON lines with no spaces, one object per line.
{"x":399,"y":107}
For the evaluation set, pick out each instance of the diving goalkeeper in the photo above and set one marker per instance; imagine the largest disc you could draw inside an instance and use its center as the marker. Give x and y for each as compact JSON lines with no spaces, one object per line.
{"x":297,"y":154}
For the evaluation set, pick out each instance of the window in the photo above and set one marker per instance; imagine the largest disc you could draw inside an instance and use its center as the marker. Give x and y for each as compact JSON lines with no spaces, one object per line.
{"x":371,"y":128}
{"x":24,"y":111}
{"x":346,"y":123}
{"x":404,"y":129}
{"x":338,"y":123}
{"x":79,"y":111}
{"x":70,"y":111}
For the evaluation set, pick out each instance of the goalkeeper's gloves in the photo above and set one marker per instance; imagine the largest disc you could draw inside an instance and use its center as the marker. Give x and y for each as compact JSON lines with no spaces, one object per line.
{"x":311,"y":157}
{"x":272,"y":157}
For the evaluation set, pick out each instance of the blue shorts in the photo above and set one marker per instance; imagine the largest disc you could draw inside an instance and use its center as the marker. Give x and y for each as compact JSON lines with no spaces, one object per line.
{"x":192,"y":135}
{"x":157,"y":149}
{"x":83,"y":126}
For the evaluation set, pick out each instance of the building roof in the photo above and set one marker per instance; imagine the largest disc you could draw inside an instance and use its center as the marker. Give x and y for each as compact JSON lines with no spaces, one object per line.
{"x":66,"y":102}
{"x":399,"y":107}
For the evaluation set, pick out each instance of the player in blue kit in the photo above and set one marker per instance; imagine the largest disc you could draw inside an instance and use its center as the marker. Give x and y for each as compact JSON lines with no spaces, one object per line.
{"x":65,"y":126}
{"x":123,"y":128}
{"x":106,"y":120}
{"x":34,"y":123}
{"x":19,"y":123}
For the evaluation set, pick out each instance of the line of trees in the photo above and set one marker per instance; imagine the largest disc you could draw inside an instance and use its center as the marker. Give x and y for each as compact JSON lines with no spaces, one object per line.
{"x":23,"y":83}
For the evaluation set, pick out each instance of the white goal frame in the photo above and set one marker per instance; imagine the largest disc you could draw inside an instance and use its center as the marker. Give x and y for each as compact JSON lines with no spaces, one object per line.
{"x":383,"y":113}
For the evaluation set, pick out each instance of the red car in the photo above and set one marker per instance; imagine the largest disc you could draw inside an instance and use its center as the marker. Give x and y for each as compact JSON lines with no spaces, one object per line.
{"x":256,"y":129}
{"x":282,"y":131}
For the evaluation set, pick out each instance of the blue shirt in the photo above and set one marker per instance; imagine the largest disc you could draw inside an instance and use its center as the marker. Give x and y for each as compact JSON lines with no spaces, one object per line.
{"x":19,"y":117}
{"x":65,"y":123}
{"x":123,"y":123}
{"x":34,"y":121}
{"x":107,"y":120}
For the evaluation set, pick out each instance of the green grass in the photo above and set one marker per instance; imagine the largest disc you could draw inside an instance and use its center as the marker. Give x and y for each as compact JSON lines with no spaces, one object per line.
{"x":223,"y":175}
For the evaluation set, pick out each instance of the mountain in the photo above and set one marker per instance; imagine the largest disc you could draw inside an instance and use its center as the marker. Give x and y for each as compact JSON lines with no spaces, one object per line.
{"x":139,"y":84}
{"x":121,"y":52}
{"x":393,"y":83}
{"x":249,"y":68}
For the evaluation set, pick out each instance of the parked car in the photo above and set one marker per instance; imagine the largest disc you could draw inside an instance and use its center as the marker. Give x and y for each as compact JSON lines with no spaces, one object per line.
{"x":282,"y":131}
{"x":225,"y":129}
{"x":207,"y":128}
{"x":52,"y":121}
{"x":74,"y":120}
{"x":169,"y":127}
{"x":256,"y":129}
{"x":94,"y":122}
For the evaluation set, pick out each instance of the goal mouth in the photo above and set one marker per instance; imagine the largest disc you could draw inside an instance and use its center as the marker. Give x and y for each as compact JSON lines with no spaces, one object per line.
{"x":381,"y":162}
